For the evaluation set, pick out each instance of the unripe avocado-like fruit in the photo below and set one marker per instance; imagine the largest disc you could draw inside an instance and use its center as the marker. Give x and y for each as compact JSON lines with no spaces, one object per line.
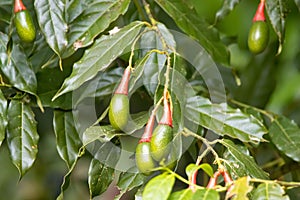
{"x":161,"y":141}
{"x":143,"y":158}
{"x":119,"y":111}
{"x":24,"y":26}
{"x":258,"y":37}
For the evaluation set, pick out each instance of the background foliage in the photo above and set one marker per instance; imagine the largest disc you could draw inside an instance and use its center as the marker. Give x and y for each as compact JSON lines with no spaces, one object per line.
{"x":260,"y":136}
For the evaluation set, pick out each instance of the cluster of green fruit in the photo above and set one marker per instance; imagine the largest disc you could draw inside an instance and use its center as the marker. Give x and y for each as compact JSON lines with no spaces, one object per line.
{"x":154,"y":146}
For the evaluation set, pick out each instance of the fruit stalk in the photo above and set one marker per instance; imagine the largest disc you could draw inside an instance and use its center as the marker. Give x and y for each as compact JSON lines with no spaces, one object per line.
{"x":123,"y":85}
{"x":213,"y":180}
{"x":260,"y":15}
{"x":146,"y":137}
{"x":19,"y":6}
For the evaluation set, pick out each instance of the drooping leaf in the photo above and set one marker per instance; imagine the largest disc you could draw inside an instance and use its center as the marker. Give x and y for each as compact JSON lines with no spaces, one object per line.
{"x":224,"y":120}
{"x":190,"y":23}
{"x":206,"y":194}
{"x":244,"y":160}
{"x":22,"y":136}
{"x":67,"y":138}
{"x":277,"y":11}
{"x":240,"y":190}
{"x":285,"y":134}
{"x":88,"y":19}
{"x":165,"y":184}
{"x":191,"y":168}
{"x":269,"y":191}
{"x":227,"y":7}
{"x":99,"y":177}
{"x":50,"y":14}
{"x":99,"y":56}
{"x":3,"y":116}
{"x":15,"y":67}
{"x":66,"y":179}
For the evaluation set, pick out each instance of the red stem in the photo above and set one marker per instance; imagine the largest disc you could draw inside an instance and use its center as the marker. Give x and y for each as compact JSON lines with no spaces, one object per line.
{"x":19,"y":6}
{"x":260,"y":15}
{"x":213,"y":180}
{"x":228,"y":180}
{"x":146,"y":137}
{"x":167,"y":115}
{"x":123,"y":86}
{"x":193,"y":181}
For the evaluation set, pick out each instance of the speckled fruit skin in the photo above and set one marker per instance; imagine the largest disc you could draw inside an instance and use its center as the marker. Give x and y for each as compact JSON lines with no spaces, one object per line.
{"x":258,"y":37}
{"x":119,"y":111}
{"x":24,"y":26}
{"x":160,"y":142}
{"x":143,"y":158}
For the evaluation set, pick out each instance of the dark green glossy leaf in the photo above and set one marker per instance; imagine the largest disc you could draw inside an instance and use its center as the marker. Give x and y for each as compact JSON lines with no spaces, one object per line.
{"x":87,"y":19}
{"x":190,"y":23}
{"x":129,"y":180}
{"x":15,"y":67}
{"x":244,"y":160}
{"x":165,"y":184}
{"x":277,"y":11}
{"x":99,"y":56}
{"x":224,"y":120}
{"x":50,"y":14}
{"x":269,"y":191}
{"x":240,"y":189}
{"x":67,"y":139}
{"x":227,"y":7}
{"x":100,"y":177}
{"x":101,"y":133}
{"x":22,"y":136}
{"x":3,"y":116}
{"x":285,"y":134}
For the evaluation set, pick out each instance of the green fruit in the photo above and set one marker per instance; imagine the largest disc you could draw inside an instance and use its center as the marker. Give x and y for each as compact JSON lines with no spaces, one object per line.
{"x":258,"y":37}
{"x":119,"y":111}
{"x":161,"y":141}
{"x":143,"y":158}
{"x":24,"y":26}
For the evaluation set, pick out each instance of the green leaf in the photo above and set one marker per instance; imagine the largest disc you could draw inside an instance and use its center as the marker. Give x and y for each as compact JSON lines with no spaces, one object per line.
{"x":240,"y":189}
{"x":285,"y":134}
{"x":129,"y":180}
{"x":227,"y":7}
{"x":277,"y":11}
{"x":91,"y":20}
{"x":206,"y":194}
{"x":186,"y":194}
{"x":188,"y":20}
{"x":22,"y":136}
{"x":269,"y":191}
{"x":100,"y":177}
{"x":165,"y":184}
{"x":68,"y":142}
{"x":3,"y":116}
{"x":99,"y":56}
{"x":66,"y":180}
{"x":101,"y":133}
{"x":224,"y":120}
{"x":15,"y":67}
{"x":50,"y":14}
{"x":192,"y":168}
{"x":244,"y":160}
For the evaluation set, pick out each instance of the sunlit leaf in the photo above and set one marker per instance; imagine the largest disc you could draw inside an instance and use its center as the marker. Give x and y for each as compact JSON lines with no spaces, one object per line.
{"x":186,"y":194}
{"x":206,"y":194}
{"x":244,"y":161}
{"x":285,"y":134}
{"x":240,"y":189}
{"x":165,"y":184}
{"x":269,"y":191}
{"x":67,"y":139}
{"x":22,"y":136}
